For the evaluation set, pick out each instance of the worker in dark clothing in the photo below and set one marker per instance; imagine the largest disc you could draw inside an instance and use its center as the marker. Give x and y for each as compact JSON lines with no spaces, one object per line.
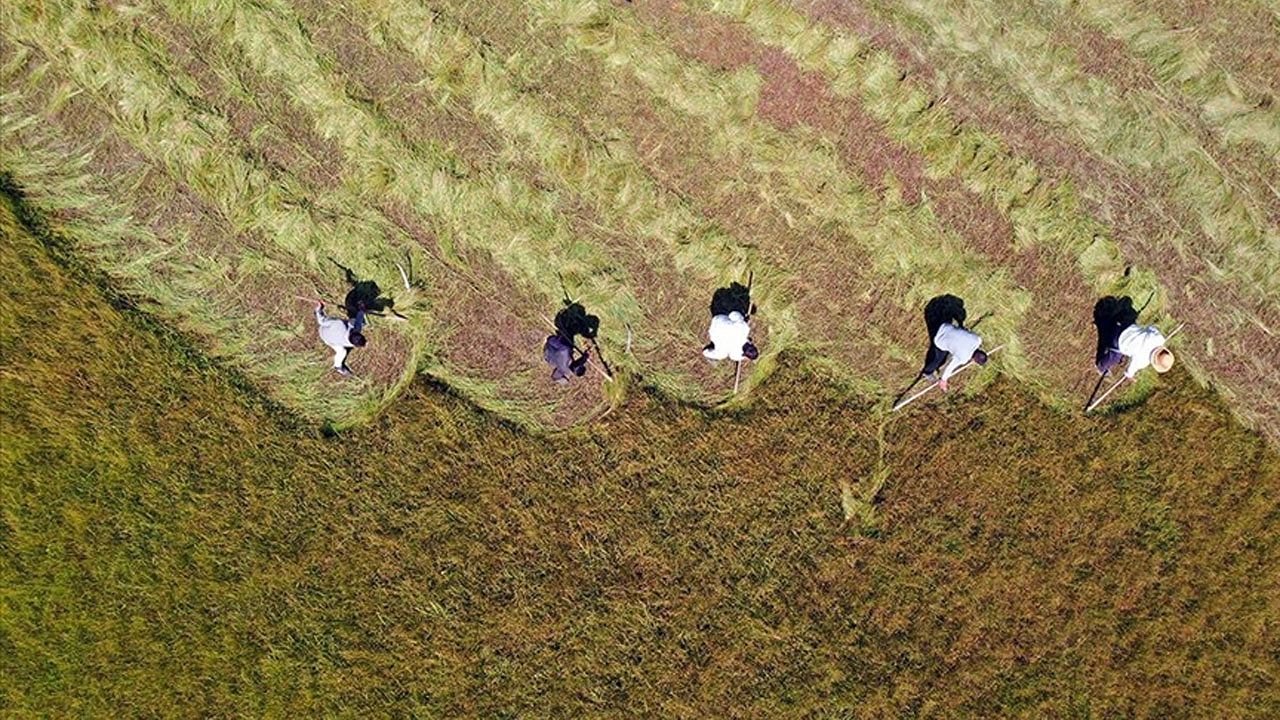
{"x":559,"y":353}
{"x":1111,"y":315}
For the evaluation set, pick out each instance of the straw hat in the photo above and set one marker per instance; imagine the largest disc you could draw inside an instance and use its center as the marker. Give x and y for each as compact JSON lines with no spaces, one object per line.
{"x":1162,"y":359}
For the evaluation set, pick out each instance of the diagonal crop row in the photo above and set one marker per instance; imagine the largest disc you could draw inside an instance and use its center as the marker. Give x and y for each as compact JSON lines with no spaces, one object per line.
{"x":176,"y":131}
{"x":497,"y":212}
{"x":831,"y":284}
{"x":344,"y":197}
{"x":58,"y":182}
{"x":610,"y":178}
{"x":501,"y":215}
{"x":188,"y":283}
{"x":1040,"y":210}
{"x":1135,"y":131}
{"x":1179,"y":60}
{"x":904,"y":241}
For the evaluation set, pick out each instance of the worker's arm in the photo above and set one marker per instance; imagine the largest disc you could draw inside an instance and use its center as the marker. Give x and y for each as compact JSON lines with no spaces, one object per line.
{"x":1136,"y":363}
{"x":714,"y":352}
{"x":951,"y":368}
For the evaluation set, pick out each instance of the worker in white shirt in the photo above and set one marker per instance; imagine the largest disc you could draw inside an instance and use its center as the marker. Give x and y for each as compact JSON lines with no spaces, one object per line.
{"x":1120,"y":336}
{"x":1144,"y":346}
{"x":944,"y":318}
{"x":730,"y":338}
{"x":341,"y":335}
{"x":961,"y":345}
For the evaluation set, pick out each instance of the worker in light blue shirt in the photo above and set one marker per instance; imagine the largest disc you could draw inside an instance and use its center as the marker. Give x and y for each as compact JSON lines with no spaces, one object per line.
{"x":341,"y":335}
{"x":944,"y":318}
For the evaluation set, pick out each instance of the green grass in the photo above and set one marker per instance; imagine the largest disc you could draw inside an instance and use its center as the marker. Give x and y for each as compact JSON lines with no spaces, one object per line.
{"x":905,"y":242}
{"x":1055,"y":215}
{"x":499,"y":213}
{"x":1135,"y":130}
{"x":197,"y":518}
{"x":172,"y":541}
{"x":1042,"y":212}
{"x":161,"y":119}
{"x":610,"y":176}
{"x":547,"y":188}
{"x":1237,"y":112}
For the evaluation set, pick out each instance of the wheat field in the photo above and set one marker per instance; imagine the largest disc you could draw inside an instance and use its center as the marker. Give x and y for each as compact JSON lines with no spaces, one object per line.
{"x":187,"y":484}
{"x":853,"y":163}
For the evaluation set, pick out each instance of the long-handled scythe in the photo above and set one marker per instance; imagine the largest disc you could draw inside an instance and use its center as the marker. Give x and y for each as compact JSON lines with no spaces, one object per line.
{"x":932,"y":385}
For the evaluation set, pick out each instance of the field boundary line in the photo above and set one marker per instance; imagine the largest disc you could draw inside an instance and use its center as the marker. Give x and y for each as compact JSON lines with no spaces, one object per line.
{"x":504,"y":217}
{"x":194,"y":147}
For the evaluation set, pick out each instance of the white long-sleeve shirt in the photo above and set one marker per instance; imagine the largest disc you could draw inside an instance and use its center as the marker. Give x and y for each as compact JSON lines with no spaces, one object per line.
{"x":1138,"y":342}
{"x":959,"y":342}
{"x":336,"y":333}
{"x":728,"y":334}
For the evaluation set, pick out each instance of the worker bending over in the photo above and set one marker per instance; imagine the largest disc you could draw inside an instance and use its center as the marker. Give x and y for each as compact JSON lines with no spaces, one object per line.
{"x":1120,"y":336}
{"x":730,"y":338}
{"x":944,"y":318}
{"x":961,"y":345}
{"x":1144,"y":345}
{"x":559,"y":354}
{"x":341,"y":335}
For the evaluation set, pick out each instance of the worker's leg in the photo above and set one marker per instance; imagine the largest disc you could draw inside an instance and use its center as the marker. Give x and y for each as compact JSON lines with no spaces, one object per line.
{"x":1109,"y":360}
{"x":933,"y":360}
{"x":1107,"y":356}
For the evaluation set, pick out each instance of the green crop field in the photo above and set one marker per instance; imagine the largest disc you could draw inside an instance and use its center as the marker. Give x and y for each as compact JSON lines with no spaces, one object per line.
{"x":200,"y":518}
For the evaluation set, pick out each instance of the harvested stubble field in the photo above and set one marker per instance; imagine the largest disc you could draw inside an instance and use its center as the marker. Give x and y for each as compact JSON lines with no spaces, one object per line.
{"x":179,"y":538}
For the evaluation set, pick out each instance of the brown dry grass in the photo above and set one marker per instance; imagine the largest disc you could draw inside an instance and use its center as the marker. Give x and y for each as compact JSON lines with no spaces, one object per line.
{"x":172,"y":541}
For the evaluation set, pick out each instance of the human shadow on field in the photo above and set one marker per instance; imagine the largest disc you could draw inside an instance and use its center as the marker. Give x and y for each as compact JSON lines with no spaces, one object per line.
{"x":573,"y":321}
{"x":736,"y":297}
{"x":730,"y":333}
{"x":363,"y":295}
{"x":1111,"y":315}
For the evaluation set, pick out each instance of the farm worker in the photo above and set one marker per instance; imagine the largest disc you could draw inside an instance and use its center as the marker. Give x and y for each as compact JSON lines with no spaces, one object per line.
{"x":341,"y":335}
{"x":1144,"y":345}
{"x":944,"y":317}
{"x":961,"y":345}
{"x":558,"y":352}
{"x":730,"y":338}
{"x":1120,"y":336}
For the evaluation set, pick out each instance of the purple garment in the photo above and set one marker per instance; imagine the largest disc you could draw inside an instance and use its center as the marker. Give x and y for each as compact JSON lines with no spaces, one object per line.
{"x":1111,"y":315}
{"x":558,"y":353}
